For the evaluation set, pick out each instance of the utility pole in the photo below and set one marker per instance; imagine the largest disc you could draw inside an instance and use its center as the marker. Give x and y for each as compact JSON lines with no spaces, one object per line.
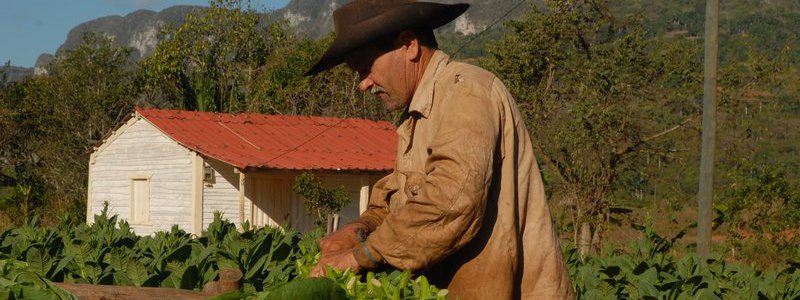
{"x":706,"y":191}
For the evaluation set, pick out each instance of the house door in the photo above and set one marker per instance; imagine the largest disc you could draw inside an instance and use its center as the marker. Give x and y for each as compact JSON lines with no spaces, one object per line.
{"x":270,"y":199}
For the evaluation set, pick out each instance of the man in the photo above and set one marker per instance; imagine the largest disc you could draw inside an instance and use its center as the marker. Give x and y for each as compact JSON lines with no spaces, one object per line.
{"x":465,"y":205}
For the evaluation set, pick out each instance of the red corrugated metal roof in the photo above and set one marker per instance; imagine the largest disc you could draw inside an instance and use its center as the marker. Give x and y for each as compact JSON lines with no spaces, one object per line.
{"x":281,"y":142}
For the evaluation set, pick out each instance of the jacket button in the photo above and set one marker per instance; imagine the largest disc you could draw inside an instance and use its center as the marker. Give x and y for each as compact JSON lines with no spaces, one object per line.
{"x":415,"y":190}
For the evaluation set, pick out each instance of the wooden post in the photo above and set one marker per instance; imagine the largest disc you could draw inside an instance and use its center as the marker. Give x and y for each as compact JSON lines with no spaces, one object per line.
{"x":197,"y":193}
{"x":229,"y":280}
{"x":335,"y":222}
{"x":242,"y":181}
{"x":89,"y":216}
{"x":364,"y":195}
{"x":706,"y":190}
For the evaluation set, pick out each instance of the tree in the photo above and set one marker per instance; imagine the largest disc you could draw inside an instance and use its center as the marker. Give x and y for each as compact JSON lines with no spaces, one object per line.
{"x":596,"y":94}
{"x":228,"y":59}
{"x":54,"y":120}
{"x":321,"y":203}
{"x":208,"y":63}
{"x":282,"y":88}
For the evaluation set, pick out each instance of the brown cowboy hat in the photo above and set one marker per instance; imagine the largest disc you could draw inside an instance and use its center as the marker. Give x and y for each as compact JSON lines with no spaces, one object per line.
{"x":362,"y":21}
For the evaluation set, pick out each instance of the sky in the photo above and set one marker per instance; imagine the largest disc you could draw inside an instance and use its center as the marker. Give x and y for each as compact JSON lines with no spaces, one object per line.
{"x":32,"y":27}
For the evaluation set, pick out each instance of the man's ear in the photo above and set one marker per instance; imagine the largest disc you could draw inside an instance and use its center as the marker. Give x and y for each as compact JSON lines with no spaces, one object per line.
{"x":410,"y":43}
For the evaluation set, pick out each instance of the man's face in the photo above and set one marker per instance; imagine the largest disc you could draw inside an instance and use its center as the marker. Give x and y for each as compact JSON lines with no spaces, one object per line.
{"x":385,"y":74}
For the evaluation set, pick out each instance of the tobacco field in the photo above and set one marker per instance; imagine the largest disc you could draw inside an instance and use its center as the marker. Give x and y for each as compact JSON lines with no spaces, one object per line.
{"x":611,"y":92}
{"x":275,"y":262}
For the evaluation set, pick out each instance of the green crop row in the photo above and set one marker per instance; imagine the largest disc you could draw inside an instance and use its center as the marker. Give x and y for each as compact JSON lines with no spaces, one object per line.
{"x":646,"y":270}
{"x":108,"y":252}
{"x":275,"y":263}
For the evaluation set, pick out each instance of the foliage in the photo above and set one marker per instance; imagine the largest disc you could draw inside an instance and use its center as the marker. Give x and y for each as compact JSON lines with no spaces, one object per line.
{"x":108,"y":252}
{"x":306,"y":288}
{"x":395,"y":285}
{"x":596,"y":94}
{"x":763,"y":199}
{"x":646,"y":270}
{"x":762,"y":210}
{"x":320,"y":202}
{"x":18,"y":283}
{"x":596,"y":83}
{"x":226,"y":59}
{"x":208,"y":64}
{"x":740,"y":21}
{"x":50,"y":122}
{"x":276,"y":264}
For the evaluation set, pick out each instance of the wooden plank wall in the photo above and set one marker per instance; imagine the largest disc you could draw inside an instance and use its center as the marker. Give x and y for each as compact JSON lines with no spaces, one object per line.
{"x":223,"y":194}
{"x":142,"y":151}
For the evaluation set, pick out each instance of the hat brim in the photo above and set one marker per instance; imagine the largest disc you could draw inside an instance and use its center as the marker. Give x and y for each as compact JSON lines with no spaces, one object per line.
{"x":416,"y":15}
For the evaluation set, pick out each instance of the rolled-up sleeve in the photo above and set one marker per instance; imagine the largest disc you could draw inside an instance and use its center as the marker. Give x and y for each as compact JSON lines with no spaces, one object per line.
{"x":446,"y":202}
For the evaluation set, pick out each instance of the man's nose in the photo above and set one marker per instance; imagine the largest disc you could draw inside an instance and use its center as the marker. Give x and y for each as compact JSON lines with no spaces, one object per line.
{"x":365,"y":85}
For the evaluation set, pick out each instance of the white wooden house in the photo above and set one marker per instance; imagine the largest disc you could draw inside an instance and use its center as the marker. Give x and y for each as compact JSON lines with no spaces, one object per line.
{"x":165,"y":167}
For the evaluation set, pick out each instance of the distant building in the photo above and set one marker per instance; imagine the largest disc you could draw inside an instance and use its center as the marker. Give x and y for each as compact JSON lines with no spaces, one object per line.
{"x":165,"y":167}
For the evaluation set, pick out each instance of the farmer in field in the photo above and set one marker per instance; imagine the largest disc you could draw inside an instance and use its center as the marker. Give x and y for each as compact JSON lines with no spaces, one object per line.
{"x":465,"y":205}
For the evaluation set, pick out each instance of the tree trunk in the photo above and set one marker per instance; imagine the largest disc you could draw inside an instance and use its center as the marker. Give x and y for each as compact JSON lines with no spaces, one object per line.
{"x":26,"y":196}
{"x":596,"y":238}
{"x":585,"y":243}
{"x":575,"y":229}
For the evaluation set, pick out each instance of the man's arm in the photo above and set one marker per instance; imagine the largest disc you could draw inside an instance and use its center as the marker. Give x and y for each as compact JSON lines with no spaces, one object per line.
{"x":378,"y":206}
{"x":446,"y":204}
{"x":355,"y":232}
{"x":337,"y":248}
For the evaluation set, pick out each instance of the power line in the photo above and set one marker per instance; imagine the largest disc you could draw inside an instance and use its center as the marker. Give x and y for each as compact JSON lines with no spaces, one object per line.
{"x":306,"y":142}
{"x":474,"y":37}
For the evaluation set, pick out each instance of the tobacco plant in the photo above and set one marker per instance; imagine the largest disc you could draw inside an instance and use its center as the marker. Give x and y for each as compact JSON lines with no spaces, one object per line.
{"x":275,"y":263}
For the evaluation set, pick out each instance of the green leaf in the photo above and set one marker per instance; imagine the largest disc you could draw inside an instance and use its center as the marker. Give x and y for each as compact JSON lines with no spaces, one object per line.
{"x":37,"y":263}
{"x":136,"y":272}
{"x":63,"y":264}
{"x":309,"y":288}
{"x":122,"y":279}
{"x":647,"y":290}
{"x":189,"y":278}
{"x":232,"y":295}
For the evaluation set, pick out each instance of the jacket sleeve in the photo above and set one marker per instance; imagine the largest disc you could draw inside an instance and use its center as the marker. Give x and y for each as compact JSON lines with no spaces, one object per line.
{"x":377,"y":209}
{"x":445,"y":205}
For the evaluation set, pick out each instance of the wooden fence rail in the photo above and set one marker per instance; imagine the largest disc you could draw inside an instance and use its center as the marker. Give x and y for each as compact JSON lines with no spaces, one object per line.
{"x":229,"y":280}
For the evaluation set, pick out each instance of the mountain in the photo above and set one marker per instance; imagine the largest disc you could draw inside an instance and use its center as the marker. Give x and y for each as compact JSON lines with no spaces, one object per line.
{"x":14,"y":74}
{"x":137,"y":30}
{"x":314,"y":18}
{"x":769,"y":23}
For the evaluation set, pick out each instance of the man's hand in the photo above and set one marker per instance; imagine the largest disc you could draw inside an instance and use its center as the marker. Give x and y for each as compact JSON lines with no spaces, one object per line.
{"x":346,"y":238}
{"x":341,"y":260}
{"x":337,"y":249}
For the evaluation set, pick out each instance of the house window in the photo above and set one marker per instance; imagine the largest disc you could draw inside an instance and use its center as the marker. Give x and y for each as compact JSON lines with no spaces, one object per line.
{"x":140,"y":201}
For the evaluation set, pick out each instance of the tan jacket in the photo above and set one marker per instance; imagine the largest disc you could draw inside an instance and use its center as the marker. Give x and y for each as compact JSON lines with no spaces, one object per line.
{"x":465,"y":205}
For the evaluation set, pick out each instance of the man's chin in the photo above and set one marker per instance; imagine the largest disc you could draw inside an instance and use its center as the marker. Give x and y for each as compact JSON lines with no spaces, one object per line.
{"x":392,"y":104}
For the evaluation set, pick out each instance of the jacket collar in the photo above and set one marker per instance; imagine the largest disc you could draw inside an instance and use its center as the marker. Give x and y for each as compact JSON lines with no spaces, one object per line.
{"x":423,"y":96}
